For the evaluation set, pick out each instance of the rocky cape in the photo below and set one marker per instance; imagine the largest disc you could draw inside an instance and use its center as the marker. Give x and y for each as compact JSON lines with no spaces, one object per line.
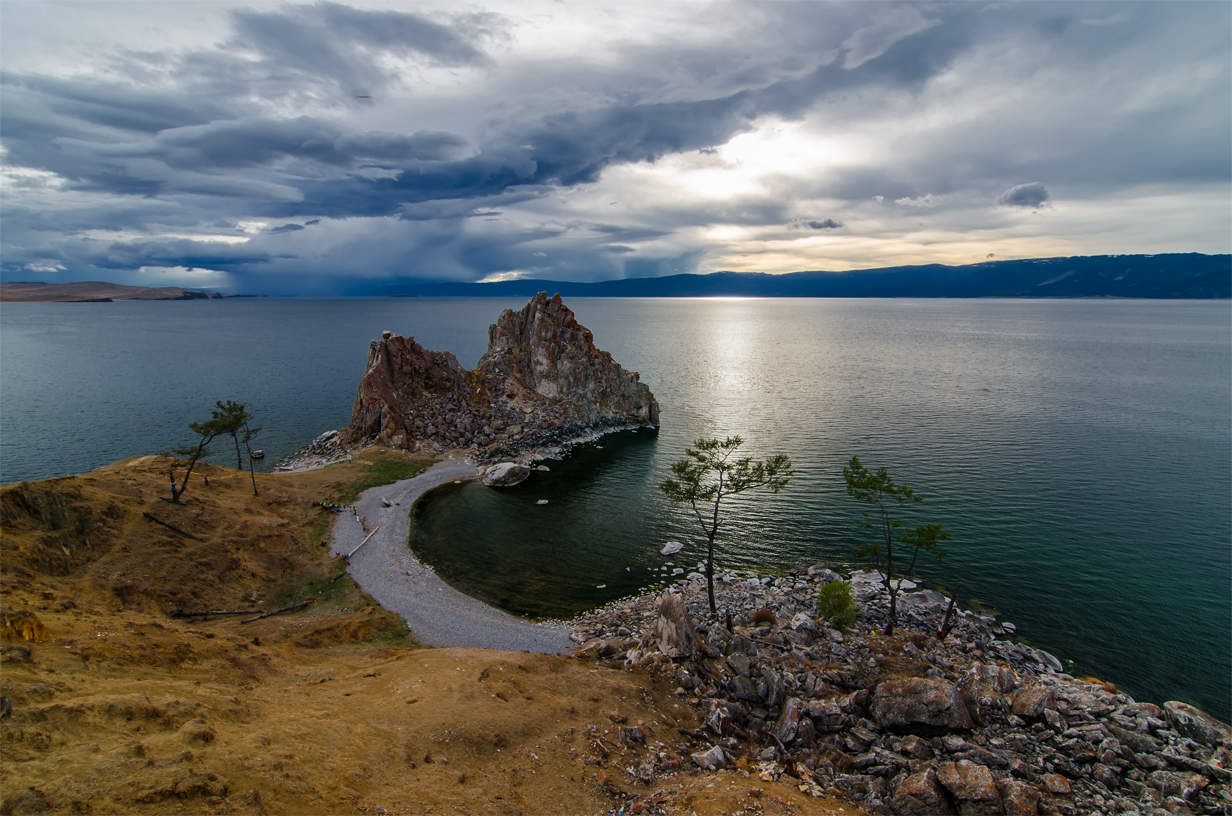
{"x":541,"y":384}
{"x":974,"y":723}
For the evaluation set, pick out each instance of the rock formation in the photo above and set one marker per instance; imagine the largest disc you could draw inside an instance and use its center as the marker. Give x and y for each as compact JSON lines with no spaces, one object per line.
{"x":541,"y":383}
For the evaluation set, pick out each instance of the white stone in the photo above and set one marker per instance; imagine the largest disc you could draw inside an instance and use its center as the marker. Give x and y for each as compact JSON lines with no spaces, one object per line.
{"x":671,"y":548}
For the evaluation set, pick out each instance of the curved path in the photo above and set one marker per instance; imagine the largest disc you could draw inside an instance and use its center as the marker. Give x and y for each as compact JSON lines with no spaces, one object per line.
{"x":437,"y":614}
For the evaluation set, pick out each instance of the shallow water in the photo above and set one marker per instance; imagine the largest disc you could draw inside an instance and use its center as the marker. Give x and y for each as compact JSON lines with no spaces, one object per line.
{"x":1079,"y":451}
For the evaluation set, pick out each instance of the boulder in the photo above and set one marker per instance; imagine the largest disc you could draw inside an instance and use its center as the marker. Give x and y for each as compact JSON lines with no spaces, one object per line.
{"x":921,"y":795}
{"x":1196,"y":724}
{"x":671,"y":548}
{"x":1018,"y":798}
{"x":674,"y":632}
{"x":505,"y":474}
{"x":1032,"y":700}
{"x":789,"y":720}
{"x":919,"y":703}
{"x":972,"y":786}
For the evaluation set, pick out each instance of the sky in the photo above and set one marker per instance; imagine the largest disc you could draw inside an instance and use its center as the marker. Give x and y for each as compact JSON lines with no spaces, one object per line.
{"x":348,"y":148}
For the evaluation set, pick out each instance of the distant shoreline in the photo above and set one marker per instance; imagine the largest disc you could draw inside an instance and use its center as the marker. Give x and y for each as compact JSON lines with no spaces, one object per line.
{"x":99,"y":292}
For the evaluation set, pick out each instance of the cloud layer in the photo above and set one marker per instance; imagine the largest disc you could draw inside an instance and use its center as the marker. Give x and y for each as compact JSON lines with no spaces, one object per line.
{"x":334,"y":148}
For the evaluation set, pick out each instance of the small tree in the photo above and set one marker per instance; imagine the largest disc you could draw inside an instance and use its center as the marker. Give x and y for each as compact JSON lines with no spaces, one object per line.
{"x":232,"y":418}
{"x":835,"y":604}
{"x":879,"y":490}
{"x":207,"y":431}
{"x":708,"y":475}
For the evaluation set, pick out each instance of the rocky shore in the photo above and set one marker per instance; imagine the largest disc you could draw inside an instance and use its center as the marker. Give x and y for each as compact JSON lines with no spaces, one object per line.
{"x":906,"y":724}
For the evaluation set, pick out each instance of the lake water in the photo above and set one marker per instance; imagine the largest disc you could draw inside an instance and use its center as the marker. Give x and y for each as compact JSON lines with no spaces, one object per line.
{"x":1080,"y":452}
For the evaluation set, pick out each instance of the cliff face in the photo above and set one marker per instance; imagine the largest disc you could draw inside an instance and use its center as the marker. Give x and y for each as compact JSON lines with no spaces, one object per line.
{"x":541,"y":382}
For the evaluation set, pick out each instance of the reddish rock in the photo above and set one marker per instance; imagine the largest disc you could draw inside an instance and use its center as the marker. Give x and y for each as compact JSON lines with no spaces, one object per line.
{"x":1032,"y":700}
{"x":919,"y":702}
{"x":541,"y":382}
{"x":1018,"y":798}
{"x":921,"y":795}
{"x":972,"y":786}
{"x":1055,"y":783}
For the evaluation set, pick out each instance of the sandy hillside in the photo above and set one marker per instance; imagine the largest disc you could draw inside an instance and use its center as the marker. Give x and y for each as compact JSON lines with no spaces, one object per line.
{"x":112,"y":705}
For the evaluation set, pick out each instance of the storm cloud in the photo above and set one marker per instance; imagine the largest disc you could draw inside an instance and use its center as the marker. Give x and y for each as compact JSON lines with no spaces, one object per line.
{"x":1031,"y":194}
{"x":341,"y":148}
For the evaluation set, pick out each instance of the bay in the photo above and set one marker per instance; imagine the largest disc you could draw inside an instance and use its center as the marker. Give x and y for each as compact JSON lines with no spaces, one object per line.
{"x":1079,"y":451}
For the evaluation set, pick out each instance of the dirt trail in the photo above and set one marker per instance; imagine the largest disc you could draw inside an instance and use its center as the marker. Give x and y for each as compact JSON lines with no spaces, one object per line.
{"x":436,"y":613}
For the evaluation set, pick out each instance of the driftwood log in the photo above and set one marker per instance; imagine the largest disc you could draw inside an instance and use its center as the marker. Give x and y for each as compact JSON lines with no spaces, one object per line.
{"x":290,"y":608}
{"x":211,"y":613}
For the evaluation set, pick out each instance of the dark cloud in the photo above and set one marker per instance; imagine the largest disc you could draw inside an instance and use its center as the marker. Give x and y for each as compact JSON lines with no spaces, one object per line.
{"x":1031,"y":194}
{"x":339,"y":42}
{"x":429,"y":145}
{"x":824,"y":224}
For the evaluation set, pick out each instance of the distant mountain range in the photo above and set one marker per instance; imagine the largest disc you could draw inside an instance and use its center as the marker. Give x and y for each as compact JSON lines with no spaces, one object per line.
{"x":1188,"y":275}
{"x":95,"y":292}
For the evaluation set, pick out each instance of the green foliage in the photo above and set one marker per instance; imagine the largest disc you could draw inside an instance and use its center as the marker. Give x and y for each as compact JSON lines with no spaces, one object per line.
{"x":835,"y":604}
{"x":380,"y":472}
{"x":880,"y":490}
{"x":708,"y":474}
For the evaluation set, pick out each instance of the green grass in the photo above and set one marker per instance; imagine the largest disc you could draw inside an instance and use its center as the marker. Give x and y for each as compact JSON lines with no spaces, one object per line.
{"x":381,"y":472}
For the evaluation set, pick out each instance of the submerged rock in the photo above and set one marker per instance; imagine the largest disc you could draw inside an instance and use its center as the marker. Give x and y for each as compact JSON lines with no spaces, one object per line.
{"x":541,"y":383}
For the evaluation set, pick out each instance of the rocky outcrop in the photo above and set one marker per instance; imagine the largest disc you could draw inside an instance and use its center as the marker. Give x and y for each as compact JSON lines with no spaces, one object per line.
{"x":541,"y":383}
{"x":909,"y":724}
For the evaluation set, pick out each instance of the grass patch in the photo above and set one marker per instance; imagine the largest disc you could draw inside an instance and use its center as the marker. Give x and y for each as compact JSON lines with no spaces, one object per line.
{"x":320,"y":529}
{"x":381,"y":471}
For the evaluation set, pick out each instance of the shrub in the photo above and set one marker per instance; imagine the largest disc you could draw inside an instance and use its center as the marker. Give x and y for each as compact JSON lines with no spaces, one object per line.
{"x":835,"y":604}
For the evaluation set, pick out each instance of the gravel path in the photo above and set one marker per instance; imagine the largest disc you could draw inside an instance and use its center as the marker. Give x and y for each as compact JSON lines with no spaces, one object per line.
{"x":437,"y":614}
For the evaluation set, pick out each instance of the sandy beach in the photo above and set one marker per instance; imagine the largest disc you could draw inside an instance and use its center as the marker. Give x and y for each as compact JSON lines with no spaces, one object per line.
{"x":436,"y":613}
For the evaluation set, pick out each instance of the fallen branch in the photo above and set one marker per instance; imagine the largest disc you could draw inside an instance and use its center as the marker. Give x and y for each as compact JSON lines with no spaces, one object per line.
{"x":290,"y":608}
{"x":171,"y":527}
{"x":362,"y":543}
{"x":180,"y":613}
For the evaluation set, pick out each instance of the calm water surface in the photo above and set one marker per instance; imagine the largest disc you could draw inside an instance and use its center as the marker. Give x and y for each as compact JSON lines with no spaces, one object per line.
{"x":1080,"y":452}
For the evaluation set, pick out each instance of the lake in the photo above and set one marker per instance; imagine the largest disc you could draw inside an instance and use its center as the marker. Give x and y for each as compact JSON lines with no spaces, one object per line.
{"x":1080,"y":452}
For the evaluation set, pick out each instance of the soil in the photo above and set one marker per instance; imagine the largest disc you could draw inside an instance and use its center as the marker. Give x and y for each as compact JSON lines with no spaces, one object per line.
{"x":110,"y":704}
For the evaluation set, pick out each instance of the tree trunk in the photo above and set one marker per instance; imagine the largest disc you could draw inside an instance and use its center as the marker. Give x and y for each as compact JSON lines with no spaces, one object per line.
{"x":710,"y":573}
{"x":239,"y":460}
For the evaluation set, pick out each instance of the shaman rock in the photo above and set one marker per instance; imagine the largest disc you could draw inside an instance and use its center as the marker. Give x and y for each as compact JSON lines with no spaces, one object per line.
{"x":541,"y":383}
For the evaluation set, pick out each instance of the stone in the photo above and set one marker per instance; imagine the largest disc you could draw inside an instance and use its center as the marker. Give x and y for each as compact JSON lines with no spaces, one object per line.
{"x":710,"y":760}
{"x":1031,"y":701}
{"x":1018,"y":798}
{"x":789,"y":720}
{"x":1055,"y":783}
{"x":1196,"y":724}
{"x":505,"y":474}
{"x":671,"y":548}
{"x":921,"y":795}
{"x":827,"y":715}
{"x":674,"y":632}
{"x":916,"y":747}
{"x":823,"y":575}
{"x":972,"y":786}
{"x":915,"y":703}
{"x":541,"y":381}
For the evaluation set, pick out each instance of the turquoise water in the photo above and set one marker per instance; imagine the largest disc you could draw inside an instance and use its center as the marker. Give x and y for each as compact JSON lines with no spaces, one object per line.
{"x":1079,"y":451}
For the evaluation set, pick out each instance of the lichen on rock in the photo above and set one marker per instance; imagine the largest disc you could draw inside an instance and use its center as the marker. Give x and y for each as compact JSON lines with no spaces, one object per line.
{"x":541,"y":383}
